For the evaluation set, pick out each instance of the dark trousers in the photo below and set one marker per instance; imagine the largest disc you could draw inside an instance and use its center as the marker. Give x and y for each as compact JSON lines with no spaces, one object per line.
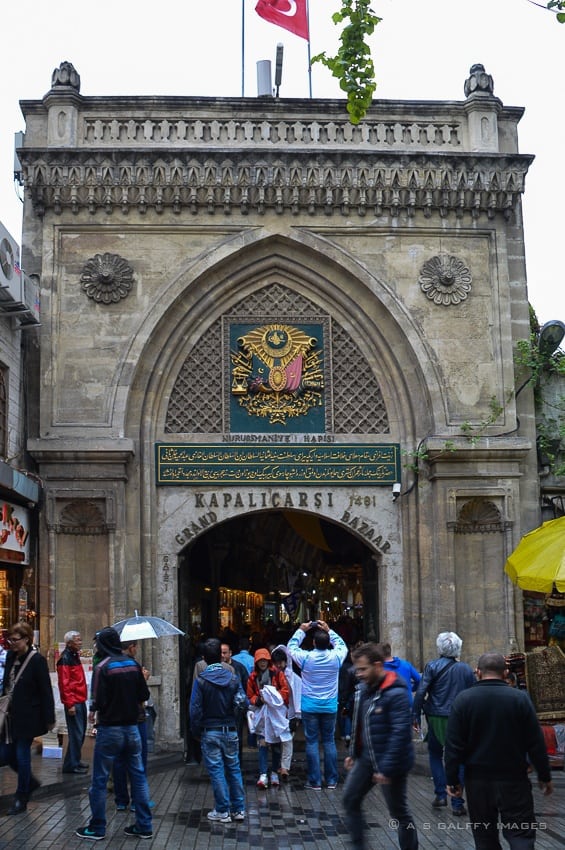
{"x":18,"y":755}
{"x":76,"y":729}
{"x":358,"y":783}
{"x":501,"y":807}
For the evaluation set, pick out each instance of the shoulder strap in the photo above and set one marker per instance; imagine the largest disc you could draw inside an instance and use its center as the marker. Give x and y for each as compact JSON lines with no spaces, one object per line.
{"x":24,"y":665}
{"x":447,"y":666}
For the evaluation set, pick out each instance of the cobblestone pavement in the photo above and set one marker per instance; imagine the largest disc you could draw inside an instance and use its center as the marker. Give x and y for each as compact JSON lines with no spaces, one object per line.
{"x":287,"y":818}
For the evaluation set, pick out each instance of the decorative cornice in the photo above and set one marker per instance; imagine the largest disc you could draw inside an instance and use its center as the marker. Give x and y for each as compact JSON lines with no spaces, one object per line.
{"x":286,"y":180}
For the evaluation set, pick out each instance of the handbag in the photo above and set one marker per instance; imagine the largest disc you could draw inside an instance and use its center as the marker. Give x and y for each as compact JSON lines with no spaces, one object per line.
{"x":6,"y":700}
{"x":4,"y":709}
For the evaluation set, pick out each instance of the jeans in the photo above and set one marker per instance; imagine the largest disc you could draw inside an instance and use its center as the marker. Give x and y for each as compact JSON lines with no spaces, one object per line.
{"x":220,"y":752}
{"x":120,"y":770}
{"x":113,"y":741}
{"x":263,"y":749}
{"x":320,"y":725}
{"x":435,"y":753}
{"x":512,"y":799}
{"x":76,"y":728}
{"x":344,"y":724}
{"x":358,"y":783}
{"x":18,"y":756}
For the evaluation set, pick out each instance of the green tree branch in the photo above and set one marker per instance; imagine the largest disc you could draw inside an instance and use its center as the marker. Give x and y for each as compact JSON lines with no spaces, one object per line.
{"x":352,"y":65}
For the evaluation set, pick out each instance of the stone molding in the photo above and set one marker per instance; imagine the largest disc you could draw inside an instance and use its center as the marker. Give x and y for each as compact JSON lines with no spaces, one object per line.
{"x":286,"y":182}
{"x":81,"y":511}
{"x":479,"y":516}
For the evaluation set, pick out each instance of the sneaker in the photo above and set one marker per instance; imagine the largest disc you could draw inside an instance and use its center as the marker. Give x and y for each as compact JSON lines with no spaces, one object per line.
{"x":121,"y":807}
{"x":87,"y":832}
{"x":274,"y":780}
{"x":310,"y":787}
{"x":439,"y":802}
{"x":238,"y":816}
{"x":459,"y":812}
{"x":332,"y":787}
{"x":263,"y":781}
{"x":136,"y":832}
{"x":219,"y":817}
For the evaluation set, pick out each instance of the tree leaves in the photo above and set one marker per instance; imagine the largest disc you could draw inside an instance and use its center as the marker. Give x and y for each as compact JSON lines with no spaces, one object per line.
{"x":352,"y":65}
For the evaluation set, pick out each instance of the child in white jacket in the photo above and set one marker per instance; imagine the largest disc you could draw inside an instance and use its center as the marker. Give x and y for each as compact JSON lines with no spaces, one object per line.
{"x":282,"y":660}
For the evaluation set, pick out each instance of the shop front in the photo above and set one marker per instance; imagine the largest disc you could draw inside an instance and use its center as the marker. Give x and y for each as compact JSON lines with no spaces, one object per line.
{"x":18,"y":573}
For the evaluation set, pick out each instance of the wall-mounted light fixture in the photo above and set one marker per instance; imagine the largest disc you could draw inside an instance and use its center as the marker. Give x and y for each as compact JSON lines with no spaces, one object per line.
{"x":395,"y":491}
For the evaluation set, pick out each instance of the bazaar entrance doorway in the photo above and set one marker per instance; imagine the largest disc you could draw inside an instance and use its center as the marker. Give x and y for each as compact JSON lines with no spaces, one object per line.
{"x":261,"y":573}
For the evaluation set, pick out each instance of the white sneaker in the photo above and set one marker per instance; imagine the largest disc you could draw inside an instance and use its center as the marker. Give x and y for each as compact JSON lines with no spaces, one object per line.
{"x":238,"y":816}
{"x":274,"y":779}
{"x":263,"y":781}
{"x":219,"y":817}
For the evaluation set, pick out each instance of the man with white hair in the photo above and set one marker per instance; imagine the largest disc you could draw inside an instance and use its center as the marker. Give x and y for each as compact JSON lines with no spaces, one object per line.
{"x":73,"y":693}
{"x":443,"y":679}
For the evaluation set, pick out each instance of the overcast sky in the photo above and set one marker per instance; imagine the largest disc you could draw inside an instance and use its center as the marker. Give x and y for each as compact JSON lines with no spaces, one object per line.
{"x":422,"y":50}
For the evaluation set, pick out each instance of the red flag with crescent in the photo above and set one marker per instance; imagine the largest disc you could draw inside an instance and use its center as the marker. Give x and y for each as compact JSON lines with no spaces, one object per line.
{"x":292,"y":15}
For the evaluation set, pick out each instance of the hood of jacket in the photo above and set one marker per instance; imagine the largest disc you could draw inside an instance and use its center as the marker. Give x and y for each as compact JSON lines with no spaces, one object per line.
{"x":217,"y":675}
{"x":390,"y":680}
{"x":108,"y":643}
{"x":286,"y":652}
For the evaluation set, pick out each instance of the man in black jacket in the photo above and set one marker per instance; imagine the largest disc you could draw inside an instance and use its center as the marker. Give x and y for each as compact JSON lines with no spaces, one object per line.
{"x":216,"y":695}
{"x":381,"y":750}
{"x":493,"y":731}
{"x":118,"y":690}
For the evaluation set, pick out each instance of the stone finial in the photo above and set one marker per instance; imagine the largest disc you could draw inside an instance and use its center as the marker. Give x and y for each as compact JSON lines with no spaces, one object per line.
{"x":479,"y":81}
{"x":65,"y":75}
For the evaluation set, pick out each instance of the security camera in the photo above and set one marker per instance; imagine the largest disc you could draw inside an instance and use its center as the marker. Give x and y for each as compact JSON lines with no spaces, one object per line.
{"x":395,"y":491}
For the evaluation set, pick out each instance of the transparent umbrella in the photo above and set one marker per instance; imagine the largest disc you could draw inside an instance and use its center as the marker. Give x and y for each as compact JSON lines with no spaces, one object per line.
{"x":141,"y":627}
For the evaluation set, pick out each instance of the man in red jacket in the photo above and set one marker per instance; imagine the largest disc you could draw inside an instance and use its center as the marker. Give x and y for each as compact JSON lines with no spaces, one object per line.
{"x":73,"y":692}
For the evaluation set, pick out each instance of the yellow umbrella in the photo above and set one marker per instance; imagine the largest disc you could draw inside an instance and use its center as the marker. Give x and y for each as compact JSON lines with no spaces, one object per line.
{"x":538,"y":561}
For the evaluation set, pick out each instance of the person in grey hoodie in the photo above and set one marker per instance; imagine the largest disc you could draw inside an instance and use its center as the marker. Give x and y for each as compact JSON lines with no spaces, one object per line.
{"x":216,"y":700}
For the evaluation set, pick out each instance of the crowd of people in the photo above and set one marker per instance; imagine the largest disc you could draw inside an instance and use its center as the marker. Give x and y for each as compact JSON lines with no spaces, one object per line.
{"x":483,"y":737}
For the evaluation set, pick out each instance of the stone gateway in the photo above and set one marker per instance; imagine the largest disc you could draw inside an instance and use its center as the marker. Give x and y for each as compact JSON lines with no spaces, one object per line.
{"x":263,"y":274}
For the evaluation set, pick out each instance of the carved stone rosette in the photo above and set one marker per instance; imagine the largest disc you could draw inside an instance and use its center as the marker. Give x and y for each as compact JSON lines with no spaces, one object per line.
{"x":445,"y":280}
{"x":107,"y":278}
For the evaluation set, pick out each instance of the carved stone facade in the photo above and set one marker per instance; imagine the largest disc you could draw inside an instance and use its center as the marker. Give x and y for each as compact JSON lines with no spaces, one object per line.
{"x":399,"y":240}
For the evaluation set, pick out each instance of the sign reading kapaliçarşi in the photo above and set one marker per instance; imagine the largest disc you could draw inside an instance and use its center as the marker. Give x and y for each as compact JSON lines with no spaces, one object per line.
{"x":339,"y":464}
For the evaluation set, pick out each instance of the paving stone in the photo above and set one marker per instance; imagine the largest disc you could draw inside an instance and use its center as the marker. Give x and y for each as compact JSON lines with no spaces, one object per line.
{"x":285,"y":818}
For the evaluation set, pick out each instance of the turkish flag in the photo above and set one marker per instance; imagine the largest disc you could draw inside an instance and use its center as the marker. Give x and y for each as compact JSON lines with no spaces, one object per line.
{"x":289,"y":14}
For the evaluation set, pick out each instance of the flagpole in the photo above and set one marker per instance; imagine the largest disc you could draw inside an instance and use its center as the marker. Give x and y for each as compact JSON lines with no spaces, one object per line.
{"x":309,"y":55}
{"x":243,"y":48}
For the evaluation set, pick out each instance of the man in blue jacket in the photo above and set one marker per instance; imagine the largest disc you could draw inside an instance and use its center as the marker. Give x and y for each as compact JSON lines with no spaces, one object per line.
{"x":404,"y":669}
{"x":381,"y":750}
{"x":443,"y":679}
{"x":215,"y":702}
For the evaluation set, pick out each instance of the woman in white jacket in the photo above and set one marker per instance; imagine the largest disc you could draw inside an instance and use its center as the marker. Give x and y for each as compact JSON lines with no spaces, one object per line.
{"x":282,"y":660}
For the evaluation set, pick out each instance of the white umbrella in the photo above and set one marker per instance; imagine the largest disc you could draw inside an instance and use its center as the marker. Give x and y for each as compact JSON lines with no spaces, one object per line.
{"x":140,"y":627}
